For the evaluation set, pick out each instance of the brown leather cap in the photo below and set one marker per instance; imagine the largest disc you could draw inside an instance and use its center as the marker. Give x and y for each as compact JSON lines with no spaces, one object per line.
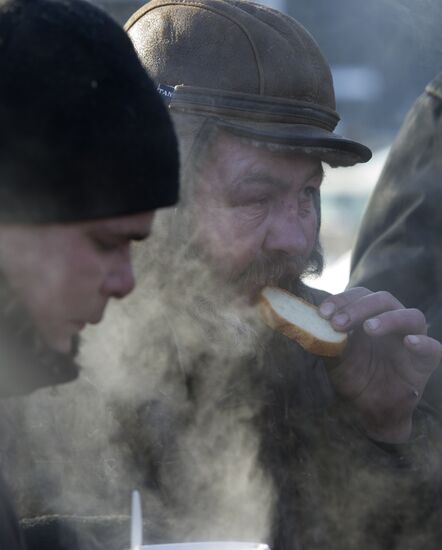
{"x":254,"y":69}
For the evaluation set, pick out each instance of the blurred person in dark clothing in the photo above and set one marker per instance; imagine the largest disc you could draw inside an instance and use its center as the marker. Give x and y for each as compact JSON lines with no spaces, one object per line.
{"x":398,"y":247}
{"x":87,"y":154}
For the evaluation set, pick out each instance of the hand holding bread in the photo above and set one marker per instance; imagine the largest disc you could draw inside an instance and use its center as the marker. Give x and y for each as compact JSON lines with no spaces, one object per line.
{"x":384,"y":356}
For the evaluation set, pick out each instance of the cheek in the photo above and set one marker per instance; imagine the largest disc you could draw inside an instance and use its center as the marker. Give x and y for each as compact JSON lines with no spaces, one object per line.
{"x":79,"y":279}
{"x":311,"y":228}
{"x":314,"y":221}
{"x":55,"y":286}
{"x":232,"y":230}
{"x":42,"y":290}
{"x":234,"y":240}
{"x":214,"y":228}
{"x":89,"y":272}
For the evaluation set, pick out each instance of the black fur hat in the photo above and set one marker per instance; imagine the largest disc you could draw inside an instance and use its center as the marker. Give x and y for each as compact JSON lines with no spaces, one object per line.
{"x":83,"y":132}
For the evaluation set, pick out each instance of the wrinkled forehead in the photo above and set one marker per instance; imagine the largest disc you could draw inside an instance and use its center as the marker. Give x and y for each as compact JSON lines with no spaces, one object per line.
{"x":222,"y":139}
{"x":223,"y":159}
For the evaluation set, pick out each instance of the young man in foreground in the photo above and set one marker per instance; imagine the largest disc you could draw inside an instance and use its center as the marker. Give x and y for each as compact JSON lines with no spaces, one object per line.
{"x":87,"y":154}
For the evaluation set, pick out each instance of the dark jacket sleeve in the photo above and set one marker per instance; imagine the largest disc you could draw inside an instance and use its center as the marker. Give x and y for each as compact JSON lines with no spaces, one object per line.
{"x":376,"y":495}
{"x":399,"y":244}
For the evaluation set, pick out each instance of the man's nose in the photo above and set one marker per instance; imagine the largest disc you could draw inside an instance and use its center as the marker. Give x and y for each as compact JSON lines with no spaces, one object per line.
{"x":287,"y":233}
{"x":120,"y":280}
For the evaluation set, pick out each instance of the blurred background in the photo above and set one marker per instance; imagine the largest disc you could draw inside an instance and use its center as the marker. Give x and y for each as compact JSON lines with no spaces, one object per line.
{"x":382,"y":53}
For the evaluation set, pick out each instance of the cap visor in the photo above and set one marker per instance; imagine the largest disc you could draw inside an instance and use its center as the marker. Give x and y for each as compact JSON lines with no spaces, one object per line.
{"x":330,"y":147}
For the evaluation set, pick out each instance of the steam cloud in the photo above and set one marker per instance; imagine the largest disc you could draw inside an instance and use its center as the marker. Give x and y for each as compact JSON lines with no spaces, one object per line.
{"x":163,"y":394}
{"x":169,"y":392}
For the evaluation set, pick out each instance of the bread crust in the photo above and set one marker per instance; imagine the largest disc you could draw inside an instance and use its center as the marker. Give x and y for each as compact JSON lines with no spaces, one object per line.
{"x":307,"y":340}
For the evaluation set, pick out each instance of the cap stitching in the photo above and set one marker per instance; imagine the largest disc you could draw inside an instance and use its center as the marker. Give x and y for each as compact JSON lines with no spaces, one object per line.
{"x":312,"y":62}
{"x":137,"y":15}
{"x":288,"y":20}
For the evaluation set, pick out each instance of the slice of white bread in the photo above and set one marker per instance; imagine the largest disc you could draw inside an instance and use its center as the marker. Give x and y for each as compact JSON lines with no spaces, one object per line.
{"x":300,"y":321}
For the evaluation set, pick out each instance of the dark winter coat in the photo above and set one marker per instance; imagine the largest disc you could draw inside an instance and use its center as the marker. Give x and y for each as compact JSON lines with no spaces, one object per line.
{"x":399,"y":246}
{"x":333,"y":487}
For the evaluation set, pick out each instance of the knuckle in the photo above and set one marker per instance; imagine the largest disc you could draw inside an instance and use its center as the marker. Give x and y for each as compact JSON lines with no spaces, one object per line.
{"x":383,"y":296}
{"x":359,"y":289}
{"x":387,"y":300}
{"x":437,"y":346}
{"x":360,"y":292}
{"x":420,"y":317}
{"x":347,"y":299}
{"x":431,"y":352}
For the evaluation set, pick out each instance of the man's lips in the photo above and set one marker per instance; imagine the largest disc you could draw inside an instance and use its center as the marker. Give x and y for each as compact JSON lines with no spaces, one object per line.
{"x":78,"y":325}
{"x":97,"y":317}
{"x":92,"y":320}
{"x":254,"y":291}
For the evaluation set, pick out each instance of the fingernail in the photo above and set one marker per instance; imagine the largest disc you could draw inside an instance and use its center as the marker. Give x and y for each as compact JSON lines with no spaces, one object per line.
{"x":327,"y":309}
{"x":341,"y":320}
{"x":413,"y":340}
{"x":373,"y":324}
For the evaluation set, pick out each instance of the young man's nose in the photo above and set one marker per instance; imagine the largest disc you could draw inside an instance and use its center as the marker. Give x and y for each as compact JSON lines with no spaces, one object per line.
{"x":287,"y":233}
{"x":120,"y":280}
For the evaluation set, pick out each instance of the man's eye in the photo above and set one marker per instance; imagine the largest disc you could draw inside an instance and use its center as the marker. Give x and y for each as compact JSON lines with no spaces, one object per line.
{"x":262,"y":201}
{"x":310,"y":191}
{"x":104,"y":245}
{"x":256,"y":202}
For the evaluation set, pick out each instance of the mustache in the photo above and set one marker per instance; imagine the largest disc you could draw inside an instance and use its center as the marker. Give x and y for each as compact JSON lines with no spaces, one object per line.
{"x":274,"y":268}
{"x":271,"y":269}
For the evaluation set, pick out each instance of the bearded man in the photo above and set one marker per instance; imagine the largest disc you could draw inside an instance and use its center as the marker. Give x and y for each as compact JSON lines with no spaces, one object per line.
{"x":229,"y":430}
{"x":78,"y":113}
{"x":253,"y":103}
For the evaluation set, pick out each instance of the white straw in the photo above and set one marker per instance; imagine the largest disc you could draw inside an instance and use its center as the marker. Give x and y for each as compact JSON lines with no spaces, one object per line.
{"x":136,"y":527}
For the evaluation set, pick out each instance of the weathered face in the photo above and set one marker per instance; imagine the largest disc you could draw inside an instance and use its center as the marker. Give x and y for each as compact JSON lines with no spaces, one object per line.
{"x":64,"y":274}
{"x":256,"y":210}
